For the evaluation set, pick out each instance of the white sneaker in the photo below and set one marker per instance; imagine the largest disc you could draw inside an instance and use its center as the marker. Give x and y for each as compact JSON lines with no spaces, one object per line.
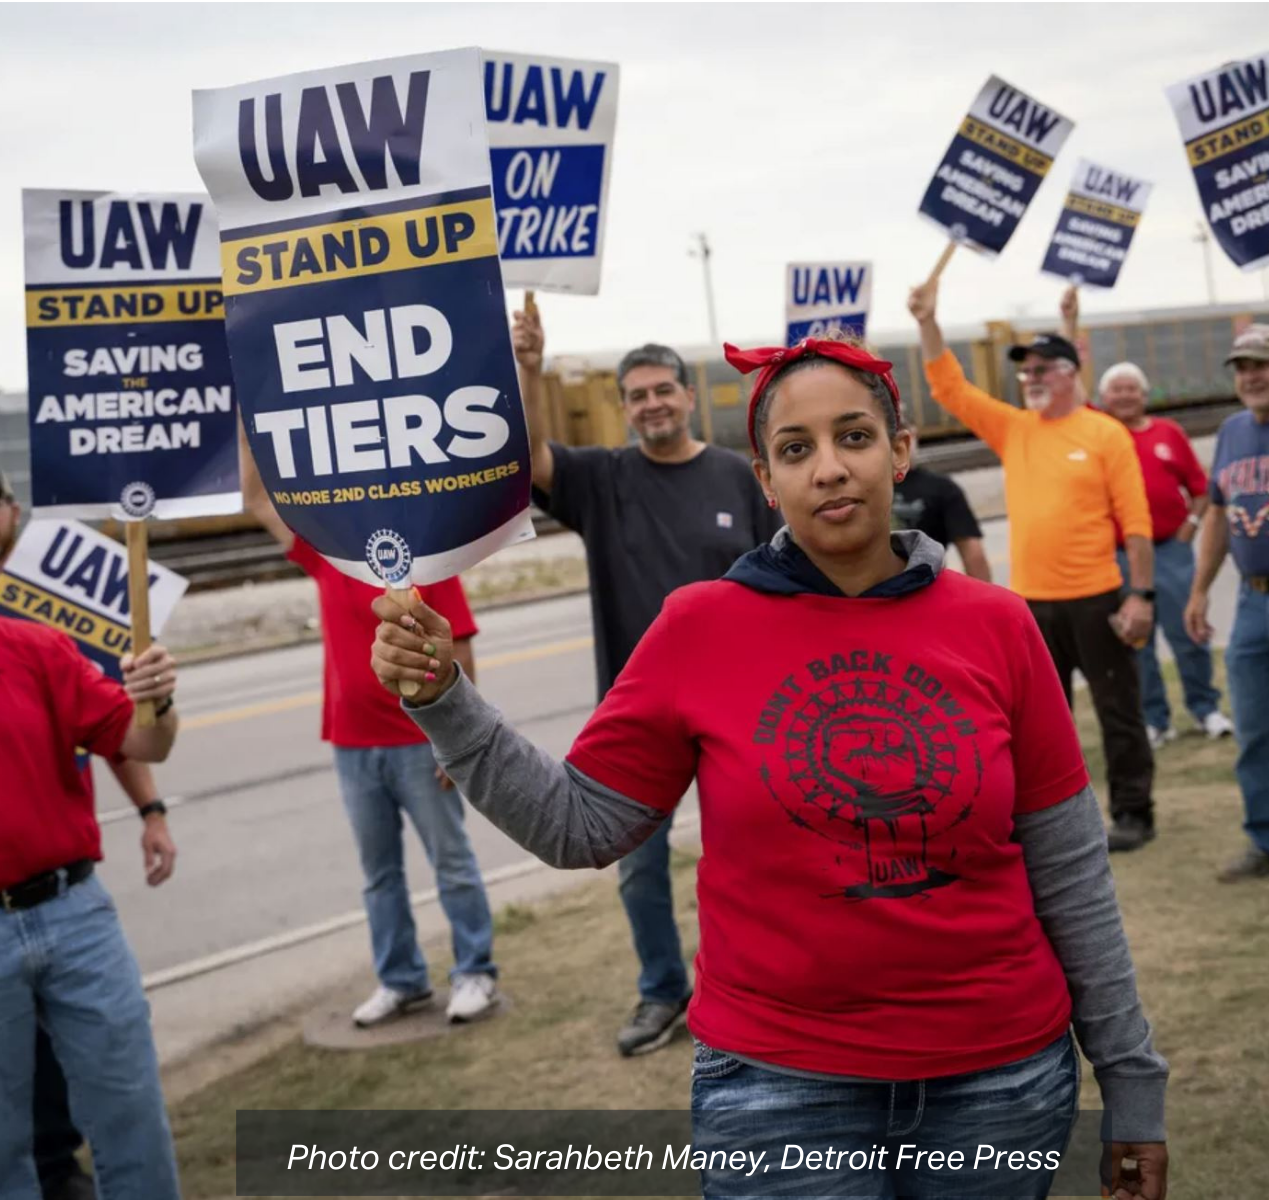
{"x":1217,"y":725}
{"x":472,"y":997}
{"x":386,"y":1004}
{"x":1160,"y":737}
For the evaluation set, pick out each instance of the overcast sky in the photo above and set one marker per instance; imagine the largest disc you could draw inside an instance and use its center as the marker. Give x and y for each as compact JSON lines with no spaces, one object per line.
{"x":786,"y":132}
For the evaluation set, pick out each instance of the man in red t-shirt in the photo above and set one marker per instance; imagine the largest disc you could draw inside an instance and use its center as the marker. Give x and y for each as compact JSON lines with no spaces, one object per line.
{"x":386,"y":769}
{"x":65,"y":966}
{"x":1176,"y":488}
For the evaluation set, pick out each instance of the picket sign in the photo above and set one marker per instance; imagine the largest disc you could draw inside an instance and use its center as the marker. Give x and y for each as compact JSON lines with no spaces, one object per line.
{"x":106,"y":597}
{"x":1224,"y":119}
{"x":999,"y":156}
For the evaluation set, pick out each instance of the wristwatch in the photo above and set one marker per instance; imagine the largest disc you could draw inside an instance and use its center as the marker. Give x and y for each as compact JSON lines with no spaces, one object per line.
{"x":1194,"y":519}
{"x":155,"y":806}
{"x":1146,"y":594}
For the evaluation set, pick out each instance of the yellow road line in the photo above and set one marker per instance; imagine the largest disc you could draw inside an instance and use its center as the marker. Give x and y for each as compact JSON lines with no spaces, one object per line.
{"x":308,"y":699}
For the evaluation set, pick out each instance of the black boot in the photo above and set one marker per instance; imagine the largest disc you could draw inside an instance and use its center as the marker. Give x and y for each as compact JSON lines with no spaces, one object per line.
{"x":1129,"y":833}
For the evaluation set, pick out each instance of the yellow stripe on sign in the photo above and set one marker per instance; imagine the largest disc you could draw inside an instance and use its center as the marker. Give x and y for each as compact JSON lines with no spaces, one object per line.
{"x":1102,"y":210}
{"x":422,"y":237}
{"x":82,"y":624}
{"x":48,"y":308}
{"x":1228,"y":140}
{"x":1018,"y":153}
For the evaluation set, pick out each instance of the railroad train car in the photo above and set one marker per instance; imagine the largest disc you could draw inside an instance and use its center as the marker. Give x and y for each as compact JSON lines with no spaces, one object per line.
{"x":1181,"y":350}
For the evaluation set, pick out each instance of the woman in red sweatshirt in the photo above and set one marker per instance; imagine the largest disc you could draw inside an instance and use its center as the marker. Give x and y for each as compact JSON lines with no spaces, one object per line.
{"x":904,"y":893}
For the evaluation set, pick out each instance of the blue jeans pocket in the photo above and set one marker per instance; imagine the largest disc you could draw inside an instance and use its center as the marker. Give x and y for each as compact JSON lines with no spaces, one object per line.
{"x":708,"y":1063}
{"x":90,"y":896}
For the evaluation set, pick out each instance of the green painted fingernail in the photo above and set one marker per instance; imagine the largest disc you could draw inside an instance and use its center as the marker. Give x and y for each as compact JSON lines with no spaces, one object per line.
{"x":428,"y":648}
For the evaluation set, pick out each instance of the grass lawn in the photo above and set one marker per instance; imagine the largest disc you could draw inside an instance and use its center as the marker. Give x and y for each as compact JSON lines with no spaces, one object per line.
{"x":1200,"y":949}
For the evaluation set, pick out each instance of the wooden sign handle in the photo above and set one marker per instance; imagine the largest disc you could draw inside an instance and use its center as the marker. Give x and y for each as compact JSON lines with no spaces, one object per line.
{"x":530,"y":304}
{"x":403,"y":598}
{"x":944,"y":259}
{"x":139,"y":602}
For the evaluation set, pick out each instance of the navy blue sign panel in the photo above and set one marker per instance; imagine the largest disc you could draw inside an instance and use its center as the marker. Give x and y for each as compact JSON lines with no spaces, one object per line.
{"x":999,"y":157}
{"x":130,"y":400}
{"x":422,"y":438}
{"x":176,"y":434}
{"x":548,"y":199}
{"x":1224,"y":120}
{"x":855,"y":324}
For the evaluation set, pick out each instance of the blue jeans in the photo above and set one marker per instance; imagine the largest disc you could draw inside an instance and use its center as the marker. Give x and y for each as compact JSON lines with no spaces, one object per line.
{"x":379,"y":785}
{"x":66,"y":964}
{"x":1031,"y":1104}
{"x":1173,"y":576}
{"x":643,"y":878}
{"x":1247,"y":665}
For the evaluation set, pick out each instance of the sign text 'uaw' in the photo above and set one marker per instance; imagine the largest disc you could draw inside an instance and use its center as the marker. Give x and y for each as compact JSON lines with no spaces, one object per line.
{"x":826,"y":297}
{"x":551,"y":127}
{"x":1096,"y":224}
{"x":994,"y":166}
{"x":70,"y":577}
{"x":1224,"y":119}
{"x":365,"y":311}
{"x":131,"y":407}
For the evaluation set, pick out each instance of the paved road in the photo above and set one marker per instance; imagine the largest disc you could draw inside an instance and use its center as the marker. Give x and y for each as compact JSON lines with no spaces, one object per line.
{"x":264,"y":845}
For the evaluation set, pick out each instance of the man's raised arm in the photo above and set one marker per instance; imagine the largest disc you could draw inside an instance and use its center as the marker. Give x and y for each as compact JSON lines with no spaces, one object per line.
{"x":255,"y":496}
{"x":982,"y":414}
{"x":528,"y":342}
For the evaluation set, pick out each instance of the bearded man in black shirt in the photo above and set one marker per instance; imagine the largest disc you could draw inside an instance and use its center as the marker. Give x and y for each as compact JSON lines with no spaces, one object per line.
{"x":663,"y":512}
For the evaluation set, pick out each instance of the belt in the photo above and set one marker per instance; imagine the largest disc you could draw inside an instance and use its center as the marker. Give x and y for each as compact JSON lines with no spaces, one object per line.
{"x":39,"y":888}
{"x":1257,"y":583}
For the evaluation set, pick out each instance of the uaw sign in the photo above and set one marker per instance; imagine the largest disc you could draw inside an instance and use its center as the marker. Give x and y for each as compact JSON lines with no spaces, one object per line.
{"x":551,"y":127}
{"x":131,"y":408}
{"x":1000,"y":155}
{"x":1224,"y":119}
{"x":365,"y":311}
{"x":1095,"y":227}
{"x":70,"y":577}
{"x":821,"y":298}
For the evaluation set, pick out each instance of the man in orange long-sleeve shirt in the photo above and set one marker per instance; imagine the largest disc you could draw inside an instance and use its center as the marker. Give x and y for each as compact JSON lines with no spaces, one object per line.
{"x":1071,"y":474}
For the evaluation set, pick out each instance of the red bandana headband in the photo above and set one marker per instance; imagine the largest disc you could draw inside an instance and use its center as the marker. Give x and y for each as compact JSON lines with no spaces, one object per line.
{"x":772,"y":359}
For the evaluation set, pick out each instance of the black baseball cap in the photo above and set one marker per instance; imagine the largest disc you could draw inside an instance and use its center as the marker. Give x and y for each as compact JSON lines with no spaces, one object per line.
{"x":1046,"y":345}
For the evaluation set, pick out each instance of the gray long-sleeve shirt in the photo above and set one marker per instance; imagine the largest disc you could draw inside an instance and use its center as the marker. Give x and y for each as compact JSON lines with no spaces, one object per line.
{"x":569,"y":820}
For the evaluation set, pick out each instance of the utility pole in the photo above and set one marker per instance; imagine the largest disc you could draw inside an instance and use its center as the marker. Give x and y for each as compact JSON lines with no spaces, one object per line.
{"x":1204,"y":239}
{"x":703,"y":252}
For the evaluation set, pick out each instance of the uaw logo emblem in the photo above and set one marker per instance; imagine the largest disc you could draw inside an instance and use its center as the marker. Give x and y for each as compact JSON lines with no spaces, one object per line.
{"x":137,"y":499}
{"x":389,"y":556}
{"x":877,"y":760}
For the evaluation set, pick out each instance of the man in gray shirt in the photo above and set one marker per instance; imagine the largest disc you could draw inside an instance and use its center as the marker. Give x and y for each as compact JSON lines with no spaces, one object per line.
{"x":667,"y":511}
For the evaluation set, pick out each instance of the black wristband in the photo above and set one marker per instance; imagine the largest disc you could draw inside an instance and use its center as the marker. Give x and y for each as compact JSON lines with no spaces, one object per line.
{"x":1146,"y":594}
{"x":161,"y":710}
{"x":155,"y":806}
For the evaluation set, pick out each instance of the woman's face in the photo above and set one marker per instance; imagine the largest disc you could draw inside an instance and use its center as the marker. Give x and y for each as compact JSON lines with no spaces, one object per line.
{"x":830,"y":465}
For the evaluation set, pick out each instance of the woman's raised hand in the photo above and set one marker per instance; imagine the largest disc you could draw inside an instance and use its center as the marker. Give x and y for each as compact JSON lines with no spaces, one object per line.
{"x":416,"y":644}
